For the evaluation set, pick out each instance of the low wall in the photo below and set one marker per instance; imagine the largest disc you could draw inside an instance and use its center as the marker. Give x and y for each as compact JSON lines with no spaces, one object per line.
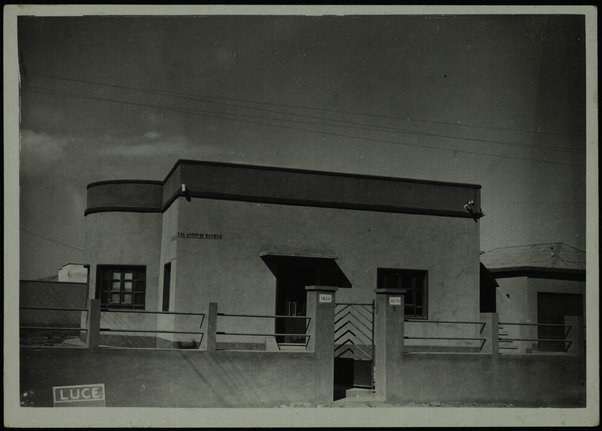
{"x":179,"y":378}
{"x":523,"y":381}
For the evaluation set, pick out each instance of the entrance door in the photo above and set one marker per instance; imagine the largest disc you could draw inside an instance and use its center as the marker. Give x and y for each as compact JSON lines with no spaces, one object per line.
{"x":291,"y":299}
{"x":293,"y":274}
{"x":551,"y":308}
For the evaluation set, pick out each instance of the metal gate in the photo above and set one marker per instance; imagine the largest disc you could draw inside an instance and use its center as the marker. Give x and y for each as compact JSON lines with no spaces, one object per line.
{"x":354,"y":340}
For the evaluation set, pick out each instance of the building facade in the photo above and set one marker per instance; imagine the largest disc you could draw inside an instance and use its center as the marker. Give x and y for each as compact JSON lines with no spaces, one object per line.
{"x":537,"y":284}
{"x":250,"y":238}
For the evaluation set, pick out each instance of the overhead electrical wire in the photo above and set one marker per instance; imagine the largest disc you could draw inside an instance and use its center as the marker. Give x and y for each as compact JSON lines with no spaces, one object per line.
{"x":222,"y":115}
{"x":310,"y":108}
{"x":51,"y":240}
{"x":208,"y":99}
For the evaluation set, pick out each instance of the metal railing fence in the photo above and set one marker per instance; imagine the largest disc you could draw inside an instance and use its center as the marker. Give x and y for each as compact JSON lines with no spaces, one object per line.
{"x":305,"y":335}
{"x":481,"y":340}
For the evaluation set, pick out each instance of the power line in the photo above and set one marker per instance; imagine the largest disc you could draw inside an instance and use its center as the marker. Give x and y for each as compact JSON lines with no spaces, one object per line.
{"x":213,"y":114}
{"x":348,"y":124}
{"x":211,"y":99}
{"x":49,"y":239}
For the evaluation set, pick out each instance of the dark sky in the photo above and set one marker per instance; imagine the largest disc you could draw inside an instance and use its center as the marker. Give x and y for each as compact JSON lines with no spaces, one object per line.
{"x":492,"y":100}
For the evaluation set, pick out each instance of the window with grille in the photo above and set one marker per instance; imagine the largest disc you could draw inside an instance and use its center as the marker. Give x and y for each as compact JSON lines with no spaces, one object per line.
{"x":415,"y":283}
{"x":120,"y":286}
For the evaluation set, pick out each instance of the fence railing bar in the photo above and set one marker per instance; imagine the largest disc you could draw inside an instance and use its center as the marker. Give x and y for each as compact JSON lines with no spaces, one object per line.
{"x":263,"y":335}
{"x":534,"y":324}
{"x":307,"y":325}
{"x":555,"y":340}
{"x":444,"y":338}
{"x":444,"y":321}
{"x":53,"y":309}
{"x":176,"y":313}
{"x":149,"y":331}
{"x":55,"y":346}
{"x":53,"y":328}
{"x":266,"y":316}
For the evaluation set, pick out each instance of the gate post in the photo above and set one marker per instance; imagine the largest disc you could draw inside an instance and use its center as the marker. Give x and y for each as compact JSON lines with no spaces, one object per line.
{"x":93,"y":324}
{"x":320,"y":328}
{"x":211,"y":331}
{"x":388,"y":342}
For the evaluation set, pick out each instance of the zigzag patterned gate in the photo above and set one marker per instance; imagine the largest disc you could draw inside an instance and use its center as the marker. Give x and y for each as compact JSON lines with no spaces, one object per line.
{"x":354,"y":333}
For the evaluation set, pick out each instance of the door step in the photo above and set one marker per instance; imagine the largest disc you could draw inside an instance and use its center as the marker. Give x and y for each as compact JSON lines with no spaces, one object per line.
{"x":360,"y":394}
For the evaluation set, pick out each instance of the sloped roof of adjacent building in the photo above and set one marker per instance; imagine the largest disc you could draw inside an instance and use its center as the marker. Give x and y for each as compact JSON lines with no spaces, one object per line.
{"x":553,"y":257}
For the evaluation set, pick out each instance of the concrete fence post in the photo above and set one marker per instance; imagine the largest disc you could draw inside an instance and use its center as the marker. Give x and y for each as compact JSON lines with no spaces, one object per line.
{"x":388,"y":342}
{"x":320,"y":328}
{"x":575,"y":335}
{"x":93,"y":324}
{"x":491,"y":333}
{"x":211,"y":332}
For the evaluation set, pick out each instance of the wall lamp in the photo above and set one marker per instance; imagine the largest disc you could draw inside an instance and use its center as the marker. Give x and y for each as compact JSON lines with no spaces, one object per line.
{"x":185,"y":192}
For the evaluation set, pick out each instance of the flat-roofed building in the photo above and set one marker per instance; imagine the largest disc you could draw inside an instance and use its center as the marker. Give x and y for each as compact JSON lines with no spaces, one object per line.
{"x":252,"y":237}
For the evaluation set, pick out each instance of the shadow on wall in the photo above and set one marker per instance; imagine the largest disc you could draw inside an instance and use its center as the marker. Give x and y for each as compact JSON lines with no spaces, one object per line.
{"x":523,"y":381}
{"x":172,"y":378}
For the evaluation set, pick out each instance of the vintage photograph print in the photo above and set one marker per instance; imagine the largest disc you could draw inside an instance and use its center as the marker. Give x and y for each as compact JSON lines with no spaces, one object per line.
{"x":328,"y":212}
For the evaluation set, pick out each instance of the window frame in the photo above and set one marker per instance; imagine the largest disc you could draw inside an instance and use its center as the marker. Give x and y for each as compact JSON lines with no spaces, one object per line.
{"x":382,"y":272}
{"x":122,"y":269}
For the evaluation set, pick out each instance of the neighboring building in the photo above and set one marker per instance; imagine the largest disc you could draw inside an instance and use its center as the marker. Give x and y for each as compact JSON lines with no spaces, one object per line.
{"x":539,"y":283}
{"x":66,"y":289}
{"x":73,"y":273}
{"x":251,"y":238}
{"x":51,"y":294}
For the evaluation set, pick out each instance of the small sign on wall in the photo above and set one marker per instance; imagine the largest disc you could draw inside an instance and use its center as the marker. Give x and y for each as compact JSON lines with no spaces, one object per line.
{"x":79,"y":395}
{"x":325,"y":298}
{"x":395,"y":300}
{"x":196,"y":235}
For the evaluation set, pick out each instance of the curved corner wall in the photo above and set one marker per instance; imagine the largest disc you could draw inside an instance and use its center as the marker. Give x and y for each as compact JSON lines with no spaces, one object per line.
{"x":123,"y":227}
{"x":124,"y":195}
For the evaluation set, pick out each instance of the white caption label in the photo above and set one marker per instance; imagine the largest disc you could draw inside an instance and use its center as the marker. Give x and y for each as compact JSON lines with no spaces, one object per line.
{"x":395,"y":300}
{"x":325,"y":297}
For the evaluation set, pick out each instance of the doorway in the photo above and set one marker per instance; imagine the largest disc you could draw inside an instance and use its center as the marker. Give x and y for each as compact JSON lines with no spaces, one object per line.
{"x":293,"y":274}
{"x":551,"y":308}
{"x":291,"y":279}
